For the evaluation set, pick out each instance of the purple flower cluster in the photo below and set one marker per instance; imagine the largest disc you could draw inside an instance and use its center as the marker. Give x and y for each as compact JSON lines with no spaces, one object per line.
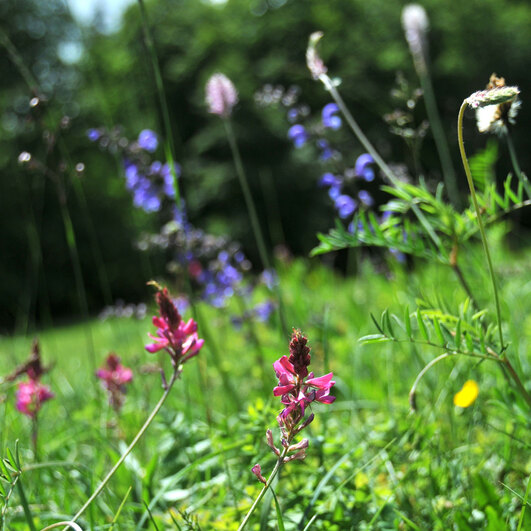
{"x":344,"y":203}
{"x":151,"y":185}
{"x":149,"y":181}
{"x":216,"y":267}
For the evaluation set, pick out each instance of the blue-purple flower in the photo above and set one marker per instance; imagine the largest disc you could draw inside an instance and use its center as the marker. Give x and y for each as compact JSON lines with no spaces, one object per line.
{"x":298,"y":134}
{"x":345,"y":206}
{"x":330,"y":120}
{"x":329,"y":179}
{"x":326,"y":151}
{"x":363,"y":168}
{"x":366,"y":198}
{"x":93,"y":135}
{"x":147,"y":139}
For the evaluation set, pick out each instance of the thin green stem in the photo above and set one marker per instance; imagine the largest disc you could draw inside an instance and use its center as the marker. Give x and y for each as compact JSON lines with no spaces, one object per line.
{"x":249,"y":202}
{"x":278,"y":465}
{"x":356,"y":129}
{"x":386,"y":170}
{"x":441,"y":143}
{"x":413,"y":392}
{"x":514,"y":159}
{"x":25,"y":506}
{"x":251,"y":209}
{"x":78,"y":274}
{"x":464,"y":284}
{"x":517,"y":381}
{"x":169,"y":144}
{"x":141,"y":432}
{"x":479,"y":219}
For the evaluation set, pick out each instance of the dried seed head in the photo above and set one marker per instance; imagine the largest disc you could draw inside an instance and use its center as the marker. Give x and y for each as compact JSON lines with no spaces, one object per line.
{"x":494,"y":117}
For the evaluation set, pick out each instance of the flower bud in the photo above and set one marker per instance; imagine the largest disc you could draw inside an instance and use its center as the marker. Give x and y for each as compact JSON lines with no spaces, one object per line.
{"x":221,"y":95}
{"x":257,"y":471}
{"x":315,"y":64}
{"x":269,"y":438}
{"x":495,"y":96}
{"x":415,"y":23}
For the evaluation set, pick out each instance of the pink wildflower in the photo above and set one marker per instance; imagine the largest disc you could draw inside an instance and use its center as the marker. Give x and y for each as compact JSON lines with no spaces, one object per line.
{"x":31,"y":395}
{"x":221,"y":95}
{"x":296,"y":386}
{"x":177,"y":337}
{"x":298,"y":389}
{"x":114,"y":376}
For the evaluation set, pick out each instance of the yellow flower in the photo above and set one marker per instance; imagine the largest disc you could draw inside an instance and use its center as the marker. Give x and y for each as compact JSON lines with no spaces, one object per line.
{"x":468,"y":394}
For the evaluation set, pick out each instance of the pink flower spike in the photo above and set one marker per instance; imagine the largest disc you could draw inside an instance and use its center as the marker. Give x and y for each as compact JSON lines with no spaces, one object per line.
{"x":113,"y":377}
{"x":257,"y":471}
{"x":175,"y":336}
{"x":30,"y":397}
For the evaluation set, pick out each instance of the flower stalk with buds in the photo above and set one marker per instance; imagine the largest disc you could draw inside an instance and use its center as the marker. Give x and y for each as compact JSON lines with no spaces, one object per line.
{"x":114,"y":377}
{"x":297,"y":389}
{"x":31,"y":393}
{"x":180,"y":341}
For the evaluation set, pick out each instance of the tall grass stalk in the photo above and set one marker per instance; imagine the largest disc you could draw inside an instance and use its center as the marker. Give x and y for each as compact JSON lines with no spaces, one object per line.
{"x":441,"y":143}
{"x":514,"y":160}
{"x":101,"y":486}
{"x":169,"y":151}
{"x":251,"y":209}
{"x":169,"y":143}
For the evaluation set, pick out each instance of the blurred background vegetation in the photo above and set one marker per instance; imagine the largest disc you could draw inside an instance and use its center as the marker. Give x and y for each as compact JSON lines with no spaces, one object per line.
{"x":88,"y":77}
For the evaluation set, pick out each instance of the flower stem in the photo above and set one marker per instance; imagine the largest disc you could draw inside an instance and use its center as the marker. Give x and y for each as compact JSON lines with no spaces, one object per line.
{"x":479,"y":219}
{"x":278,"y":465}
{"x":169,"y":144}
{"x":365,"y":142}
{"x":251,"y":209}
{"x":356,"y":129}
{"x":413,"y":392}
{"x":25,"y":506}
{"x":438,"y":135}
{"x":519,"y":175}
{"x":517,"y":381}
{"x":141,"y":432}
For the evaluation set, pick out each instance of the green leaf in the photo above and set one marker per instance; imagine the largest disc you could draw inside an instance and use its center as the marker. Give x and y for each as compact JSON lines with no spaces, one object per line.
{"x":5,"y":471}
{"x":407,"y":322}
{"x":438,"y":331}
{"x":458,"y":334}
{"x":280,"y":521}
{"x":422,"y":326}
{"x":374,"y":338}
{"x":377,"y":325}
{"x":386,"y":323}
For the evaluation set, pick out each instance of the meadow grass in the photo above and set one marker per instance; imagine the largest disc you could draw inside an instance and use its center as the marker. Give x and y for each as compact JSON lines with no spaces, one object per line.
{"x":372,"y":464}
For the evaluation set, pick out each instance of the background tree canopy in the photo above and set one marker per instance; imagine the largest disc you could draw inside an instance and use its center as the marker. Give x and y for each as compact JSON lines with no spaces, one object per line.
{"x":254,"y":43}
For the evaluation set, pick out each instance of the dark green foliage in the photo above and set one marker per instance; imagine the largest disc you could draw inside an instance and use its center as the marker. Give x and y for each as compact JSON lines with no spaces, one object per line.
{"x":253,"y":43}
